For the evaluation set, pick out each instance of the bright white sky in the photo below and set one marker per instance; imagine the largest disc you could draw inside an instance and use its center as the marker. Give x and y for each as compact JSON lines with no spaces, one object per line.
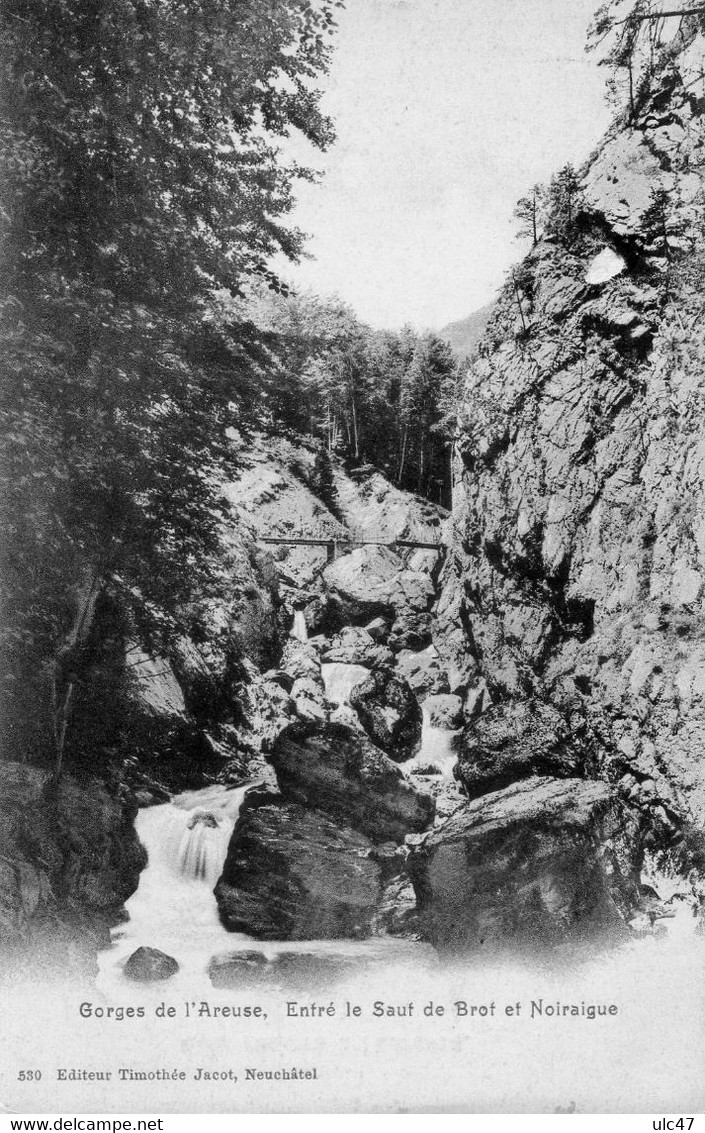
{"x":447,"y":111}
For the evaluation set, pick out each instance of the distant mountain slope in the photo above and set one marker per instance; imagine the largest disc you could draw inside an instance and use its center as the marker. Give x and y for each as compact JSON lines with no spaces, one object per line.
{"x":465,"y":334}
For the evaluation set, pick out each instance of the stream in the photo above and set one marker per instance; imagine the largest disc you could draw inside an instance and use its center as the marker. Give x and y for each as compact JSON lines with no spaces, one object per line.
{"x":174,"y":908}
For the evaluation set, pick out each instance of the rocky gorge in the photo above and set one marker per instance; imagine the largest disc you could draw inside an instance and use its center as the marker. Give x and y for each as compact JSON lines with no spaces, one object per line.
{"x":479,"y":729}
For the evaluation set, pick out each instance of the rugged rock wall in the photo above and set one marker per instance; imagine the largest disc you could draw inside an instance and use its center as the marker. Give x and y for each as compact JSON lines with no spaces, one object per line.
{"x":69,"y":858}
{"x":574,"y":582}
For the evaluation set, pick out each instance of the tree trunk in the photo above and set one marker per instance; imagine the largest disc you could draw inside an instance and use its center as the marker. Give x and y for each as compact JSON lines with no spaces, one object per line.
{"x":402,"y":462}
{"x":68,"y":661}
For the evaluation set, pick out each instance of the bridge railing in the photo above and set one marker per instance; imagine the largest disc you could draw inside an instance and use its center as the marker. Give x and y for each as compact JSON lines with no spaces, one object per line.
{"x":343,"y":544}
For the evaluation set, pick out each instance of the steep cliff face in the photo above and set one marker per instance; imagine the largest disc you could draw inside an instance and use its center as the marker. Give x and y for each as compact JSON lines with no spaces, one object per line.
{"x":576,"y":568}
{"x":69,"y":858}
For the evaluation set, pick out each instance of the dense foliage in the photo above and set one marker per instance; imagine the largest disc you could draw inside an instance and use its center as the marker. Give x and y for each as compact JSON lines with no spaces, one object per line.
{"x":142,"y":173}
{"x":380,"y":397}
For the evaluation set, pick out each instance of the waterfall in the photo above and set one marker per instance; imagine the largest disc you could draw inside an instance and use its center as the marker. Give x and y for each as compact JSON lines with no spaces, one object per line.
{"x":300,"y":629}
{"x":437,"y":748}
{"x":174,"y":908}
{"x":340,"y":680}
{"x":203,"y":847}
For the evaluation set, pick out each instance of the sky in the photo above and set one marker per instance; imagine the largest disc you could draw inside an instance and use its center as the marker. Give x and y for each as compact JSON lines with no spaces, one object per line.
{"x":446,"y":112}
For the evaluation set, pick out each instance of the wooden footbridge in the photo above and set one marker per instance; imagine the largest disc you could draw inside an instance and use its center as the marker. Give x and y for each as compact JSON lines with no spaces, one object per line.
{"x":342,"y":545}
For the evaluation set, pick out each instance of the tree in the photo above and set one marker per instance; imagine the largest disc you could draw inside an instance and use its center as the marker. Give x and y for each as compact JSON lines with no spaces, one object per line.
{"x":630,"y":37}
{"x":563,"y":201}
{"x":142,"y":175}
{"x":529,"y":212}
{"x":423,"y":463}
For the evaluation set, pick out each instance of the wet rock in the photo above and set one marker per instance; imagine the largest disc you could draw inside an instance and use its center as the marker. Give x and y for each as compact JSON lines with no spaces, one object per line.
{"x":295,"y":874}
{"x":378,"y":629}
{"x":398,"y":912}
{"x":238,"y":969}
{"x":265,"y":708}
{"x":279,"y":677}
{"x":149,"y":964}
{"x":513,"y":740}
{"x":411,"y":630}
{"x":338,"y":771}
{"x":309,"y":697}
{"x":354,"y":646}
{"x":444,"y":712}
{"x":324,"y":616}
{"x":300,"y":660}
{"x":389,"y":713}
{"x":313,"y":969}
{"x":477,"y":700}
{"x":539,"y":863}
{"x":290,"y":969}
{"x":423,"y":672}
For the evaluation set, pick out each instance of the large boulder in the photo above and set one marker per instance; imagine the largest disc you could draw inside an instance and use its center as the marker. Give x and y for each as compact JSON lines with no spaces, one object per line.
{"x":355,"y":646}
{"x":295,"y":874}
{"x":412,"y":629}
{"x":310,"y":699}
{"x":300,"y":660}
{"x":423,"y":672}
{"x":372,"y":581}
{"x":337,"y":770}
{"x":539,"y":863}
{"x":389,"y":713}
{"x":513,"y":740}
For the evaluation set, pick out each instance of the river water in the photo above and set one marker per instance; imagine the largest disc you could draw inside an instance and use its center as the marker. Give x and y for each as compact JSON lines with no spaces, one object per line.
{"x":300,"y":629}
{"x":174,"y":908}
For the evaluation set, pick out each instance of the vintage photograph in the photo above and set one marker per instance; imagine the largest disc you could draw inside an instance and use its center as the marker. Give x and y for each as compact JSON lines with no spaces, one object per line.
{"x":353,"y":556}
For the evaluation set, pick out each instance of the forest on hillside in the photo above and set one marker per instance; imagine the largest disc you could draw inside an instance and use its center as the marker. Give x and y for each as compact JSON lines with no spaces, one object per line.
{"x":146,"y":192}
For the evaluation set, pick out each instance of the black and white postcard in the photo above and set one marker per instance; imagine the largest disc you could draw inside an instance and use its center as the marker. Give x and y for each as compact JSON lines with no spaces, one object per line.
{"x":353,"y":556}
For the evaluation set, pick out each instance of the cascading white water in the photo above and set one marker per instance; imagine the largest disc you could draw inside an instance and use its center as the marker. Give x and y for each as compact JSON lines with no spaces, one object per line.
{"x":437,"y":747}
{"x":340,"y":680}
{"x":174,"y":908}
{"x":300,"y":629}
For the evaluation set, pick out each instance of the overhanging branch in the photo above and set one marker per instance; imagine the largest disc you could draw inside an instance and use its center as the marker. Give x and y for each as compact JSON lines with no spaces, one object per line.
{"x":700,"y":11}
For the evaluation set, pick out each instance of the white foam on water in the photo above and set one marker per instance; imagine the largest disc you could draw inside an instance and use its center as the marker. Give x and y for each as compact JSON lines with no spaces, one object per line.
{"x":300,"y":629}
{"x":340,"y":680}
{"x":437,"y":748}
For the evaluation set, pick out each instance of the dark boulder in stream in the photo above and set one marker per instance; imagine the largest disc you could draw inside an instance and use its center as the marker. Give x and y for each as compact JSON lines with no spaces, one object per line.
{"x":389,"y":713}
{"x":286,"y":969}
{"x":539,"y":863}
{"x":296,"y":874}
{"x":338,"y":771}
{"x":149,"y":964}
{"x":355,"y":646}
